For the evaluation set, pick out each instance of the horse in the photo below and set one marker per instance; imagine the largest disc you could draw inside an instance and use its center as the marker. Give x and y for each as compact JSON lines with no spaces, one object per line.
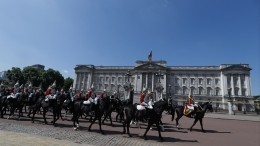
{"x":3,"y":104}
{"x":198,"y":117}
{"x":46,"y":105}
{"x":99,"y":108}
{"x":153,"y":115}
{"x":17,"y":103}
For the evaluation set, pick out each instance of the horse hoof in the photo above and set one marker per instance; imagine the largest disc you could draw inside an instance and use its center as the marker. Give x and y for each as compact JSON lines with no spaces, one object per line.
{"x":123,"y":132}
{"x":89,"y":130}
{"x":75,"y":128}
{"x":145,"y":138}
{"x":129,"y":135}
{"x":161,"y":139}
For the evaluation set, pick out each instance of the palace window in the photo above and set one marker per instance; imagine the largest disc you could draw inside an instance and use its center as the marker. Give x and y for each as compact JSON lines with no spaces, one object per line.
{"x":113,"y":79}
{"x":200,"y":81}
{"x":119,"y":79}
{"x":216,"y":81}
{"x":209,"y":91}
{"x":200,"y":90}
{"x":192,"y":81}
{"x":208,"y":81}
{"x":184,"y":81}
{"x":177,"y":80}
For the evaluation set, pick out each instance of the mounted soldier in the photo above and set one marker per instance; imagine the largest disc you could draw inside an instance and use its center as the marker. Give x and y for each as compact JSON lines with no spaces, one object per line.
{"x":51,"y":92}
{"x":148,"y":100}
{"x":190,"y":107}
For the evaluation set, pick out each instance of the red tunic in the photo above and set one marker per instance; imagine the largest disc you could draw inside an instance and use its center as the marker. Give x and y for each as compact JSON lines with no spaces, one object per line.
{"x":142,"y":97}
{"x":48,"y":92}
{"x":190,"y":101}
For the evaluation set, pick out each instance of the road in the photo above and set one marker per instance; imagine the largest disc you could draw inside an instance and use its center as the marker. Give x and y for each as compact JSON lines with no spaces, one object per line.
{"x":220,"y":131}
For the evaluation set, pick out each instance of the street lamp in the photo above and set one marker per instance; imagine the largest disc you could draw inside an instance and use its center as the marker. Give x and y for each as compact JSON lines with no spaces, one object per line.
{"x":128,"y":75}
{"x":159,"y":75}
{"x":170,"y":90}
{"x":159,"y":87}
{"x":127,"y":86}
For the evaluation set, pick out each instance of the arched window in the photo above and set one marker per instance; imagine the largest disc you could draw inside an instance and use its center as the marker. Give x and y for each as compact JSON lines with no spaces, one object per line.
{"x":217,"y":91}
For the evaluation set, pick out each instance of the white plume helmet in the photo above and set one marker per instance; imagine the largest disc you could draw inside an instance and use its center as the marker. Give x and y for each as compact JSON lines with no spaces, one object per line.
{"x":16,"y":84}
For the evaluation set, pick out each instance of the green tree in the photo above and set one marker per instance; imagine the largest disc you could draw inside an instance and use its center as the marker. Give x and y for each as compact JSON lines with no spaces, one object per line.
{"x":67,"y":83}
{"x":15,"y":75}
{"x":33,"y":75}
{"x":49,"y":76}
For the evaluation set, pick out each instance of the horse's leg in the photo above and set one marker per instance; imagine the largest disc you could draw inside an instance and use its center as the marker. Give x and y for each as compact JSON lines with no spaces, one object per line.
{"x":93,"y":121}
{"x":100,"y":127}
{"x":173,"y":113}
{"x":34,"y":112}
{"x":195,"y":121}
{"x":74,"y":119}
{"x":201,"y":125}
{"x":44,"y":116}
{"x":159,"y":131}
{"x":110,"y":119}
{"x":147,"y":129}
{"x":178,"y":118}
{"x":105,"y":117}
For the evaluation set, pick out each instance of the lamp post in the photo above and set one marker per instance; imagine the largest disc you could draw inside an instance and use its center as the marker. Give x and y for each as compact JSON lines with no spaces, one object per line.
{"x":169,"y":94}
{"x":159,"y":86}
{"x":230,"y":102}
{"x":127,"y":86}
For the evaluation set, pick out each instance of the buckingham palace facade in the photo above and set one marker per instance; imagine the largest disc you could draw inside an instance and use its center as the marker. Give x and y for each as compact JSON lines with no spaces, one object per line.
{"x":216,"y":83}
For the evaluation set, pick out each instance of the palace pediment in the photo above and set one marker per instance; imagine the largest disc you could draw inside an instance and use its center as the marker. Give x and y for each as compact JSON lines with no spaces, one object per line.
{"x":150,"y":66}
{"x":236,"y":67}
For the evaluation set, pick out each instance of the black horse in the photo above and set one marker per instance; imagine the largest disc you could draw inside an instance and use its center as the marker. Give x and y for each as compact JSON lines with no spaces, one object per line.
{"x":153,"y":115}
{"x":17,"y":103}
{"x":199,"y":114}
{"x":46,"y":105}
{"x":3,"y":104}
{"x":79,"y":108}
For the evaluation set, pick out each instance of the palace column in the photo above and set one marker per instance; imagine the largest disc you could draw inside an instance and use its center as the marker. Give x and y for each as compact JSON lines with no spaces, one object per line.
{"x":232,"y":85}
{"x":152,"y":82}
{"x":239,"y":85}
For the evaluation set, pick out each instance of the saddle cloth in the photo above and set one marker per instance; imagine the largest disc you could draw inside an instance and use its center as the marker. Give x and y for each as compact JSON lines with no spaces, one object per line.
{"x":140,"y":107}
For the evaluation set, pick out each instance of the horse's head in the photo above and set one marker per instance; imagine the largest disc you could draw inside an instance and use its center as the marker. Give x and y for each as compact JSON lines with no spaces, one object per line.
{"x":207,"y":106}
{"x":162,"y":104}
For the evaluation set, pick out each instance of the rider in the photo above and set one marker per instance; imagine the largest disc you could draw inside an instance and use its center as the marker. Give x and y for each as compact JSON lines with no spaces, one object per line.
{"x":142,"y":95}
{"x":148,"y":100}
{"x":191,"y":105}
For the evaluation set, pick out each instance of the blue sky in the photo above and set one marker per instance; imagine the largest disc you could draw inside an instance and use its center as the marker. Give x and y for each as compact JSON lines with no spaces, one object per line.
{"x":63,"y":33}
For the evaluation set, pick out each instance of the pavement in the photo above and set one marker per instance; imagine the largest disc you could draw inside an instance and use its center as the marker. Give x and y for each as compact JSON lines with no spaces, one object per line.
{"x":238,"y":116}
{"x":14,"y":135}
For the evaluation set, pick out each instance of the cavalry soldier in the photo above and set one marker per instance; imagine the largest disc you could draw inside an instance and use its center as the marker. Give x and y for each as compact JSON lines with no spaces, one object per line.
{"x":148,"y":100}
{"x":190,"y":107}
{"x":142,"y":96}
